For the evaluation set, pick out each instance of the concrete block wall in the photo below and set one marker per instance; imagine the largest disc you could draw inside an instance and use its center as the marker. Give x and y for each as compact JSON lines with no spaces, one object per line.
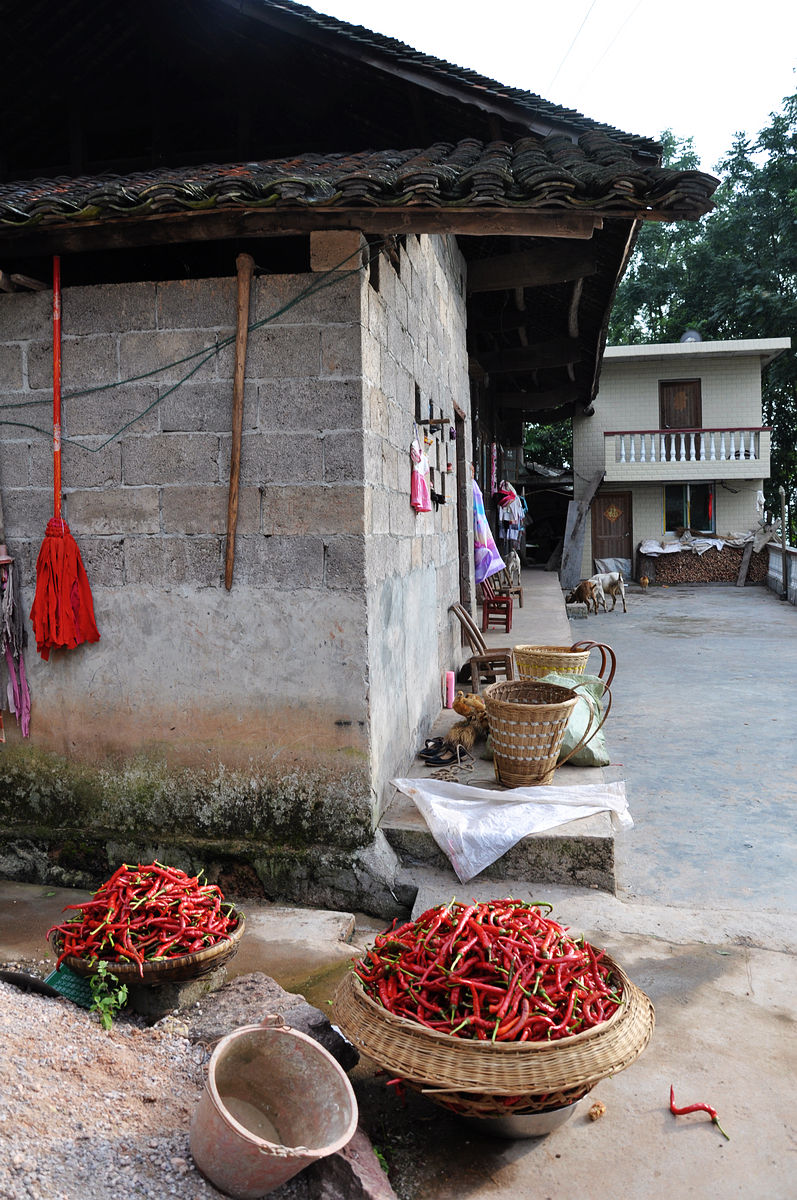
{"x":272,"y":672}
{"x":415,"y":338}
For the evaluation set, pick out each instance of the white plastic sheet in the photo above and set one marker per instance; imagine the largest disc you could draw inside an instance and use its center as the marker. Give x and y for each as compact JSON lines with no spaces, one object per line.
{"x":475,"y":826}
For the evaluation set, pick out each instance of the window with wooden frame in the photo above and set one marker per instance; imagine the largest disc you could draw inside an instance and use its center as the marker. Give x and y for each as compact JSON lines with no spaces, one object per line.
{"x":689,"y":506}
{"x":680,"y":404}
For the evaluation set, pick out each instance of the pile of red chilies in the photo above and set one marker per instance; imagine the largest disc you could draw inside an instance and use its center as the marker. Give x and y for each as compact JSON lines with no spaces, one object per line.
{"x":499,"y":971}
{"x":147,"y":913}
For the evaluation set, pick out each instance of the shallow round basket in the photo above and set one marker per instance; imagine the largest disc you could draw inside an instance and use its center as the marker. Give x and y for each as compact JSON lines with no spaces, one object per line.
{"x":535,"y":661}
{"x":165,"y":970}
{"x":489,"y":1079}
{"x":527,"y":725}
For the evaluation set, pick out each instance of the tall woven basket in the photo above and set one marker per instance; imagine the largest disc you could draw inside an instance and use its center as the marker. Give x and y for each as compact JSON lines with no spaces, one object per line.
{"x":492,"y":1079}
{"x":535,"y":661}
{"x":527,"y":724}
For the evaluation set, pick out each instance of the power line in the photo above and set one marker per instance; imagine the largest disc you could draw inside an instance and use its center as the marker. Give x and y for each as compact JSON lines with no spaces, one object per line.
{"x":570,"y":47}
{"x":608,"y":48}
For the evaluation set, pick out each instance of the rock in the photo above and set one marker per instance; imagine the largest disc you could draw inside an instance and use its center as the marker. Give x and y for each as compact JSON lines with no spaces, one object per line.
{"x":156,"y":1000}
{"x":247,"y":999}
{"x":352,"y":1174}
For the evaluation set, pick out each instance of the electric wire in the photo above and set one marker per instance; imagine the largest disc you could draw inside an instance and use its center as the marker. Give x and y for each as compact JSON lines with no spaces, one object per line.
{"x":572,"y":44}
{"x":608,"y":48}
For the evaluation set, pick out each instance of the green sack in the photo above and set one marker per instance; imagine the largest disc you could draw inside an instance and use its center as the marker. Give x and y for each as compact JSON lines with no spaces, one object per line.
{"x":593,"y":753}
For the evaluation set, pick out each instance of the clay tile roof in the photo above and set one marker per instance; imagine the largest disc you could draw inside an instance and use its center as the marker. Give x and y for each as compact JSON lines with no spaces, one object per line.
{"x":531,"y":174}
{"x":406,"y":56}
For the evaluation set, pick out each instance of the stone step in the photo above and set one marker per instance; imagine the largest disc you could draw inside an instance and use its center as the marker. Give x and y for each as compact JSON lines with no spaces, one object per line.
{"x":580,"y":853}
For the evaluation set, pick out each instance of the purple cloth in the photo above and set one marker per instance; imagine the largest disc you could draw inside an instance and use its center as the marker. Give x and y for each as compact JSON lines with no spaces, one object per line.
{"x":485,"y":552}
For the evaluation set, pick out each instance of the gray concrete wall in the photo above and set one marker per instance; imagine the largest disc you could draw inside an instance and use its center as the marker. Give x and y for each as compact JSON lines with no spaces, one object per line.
{"x":775,"y":570}
{"x":269,"y":679}
{"x":415,"y":337}
{"x":279,"y":709}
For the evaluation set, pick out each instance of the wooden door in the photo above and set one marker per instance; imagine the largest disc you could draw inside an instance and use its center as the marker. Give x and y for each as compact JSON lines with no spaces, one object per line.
{"x":611,"y":526}
{"x":680,"y":404}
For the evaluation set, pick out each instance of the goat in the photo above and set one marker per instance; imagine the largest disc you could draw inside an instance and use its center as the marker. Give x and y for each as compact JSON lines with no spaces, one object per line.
{"x":609,"y":584}
{"x":513,"y":567}
{"x":585,"y":593}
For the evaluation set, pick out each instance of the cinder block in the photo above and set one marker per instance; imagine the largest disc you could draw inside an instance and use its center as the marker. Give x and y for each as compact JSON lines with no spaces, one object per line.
{"x":162,"y":352}
{"x":83,"y":464}
{"x":299,"y":300}
{"x":14,"y":464}
{"x":110,"y":410}
{"x":159,"y":561}
{"x":25,"y":315}
{"x":320,"y":510}
{"x":112,"y":308}
{"x":282,"y":352}
{"x":341,"y":352}
{"x":333,"y":250}
{"x":171,"y":458}
{"x":114,"y":511}
{"x":279,"y":458}
{"x":200,"y":303}
{"x":372,"y":458}
{"x":380,"y":511}
{"x":312,"y":404}
{"x":10,"y":369}
{"x":27,"y":511}
{"x":345,"y":563}
{"x":103,"y":558}
{"x":85,"y":362}
{"x":196,"y":407}
{"x":343,"y":457}
{"x":284,"y":563}
{"x":202,"y":510}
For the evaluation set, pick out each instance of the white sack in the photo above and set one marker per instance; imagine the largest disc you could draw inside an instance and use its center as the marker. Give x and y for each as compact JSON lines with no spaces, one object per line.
{"x":475,"y":826}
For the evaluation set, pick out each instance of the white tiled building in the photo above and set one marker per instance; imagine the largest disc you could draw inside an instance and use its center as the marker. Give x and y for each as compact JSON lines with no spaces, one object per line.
{"x":678,"y":430}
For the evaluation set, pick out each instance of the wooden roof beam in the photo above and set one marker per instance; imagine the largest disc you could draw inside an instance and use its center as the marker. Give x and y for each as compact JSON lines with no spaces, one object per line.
{"x":168,"y":229}
{"x":532,"y":402}
{"x":556,"y":262}
{"x":556,"y":353}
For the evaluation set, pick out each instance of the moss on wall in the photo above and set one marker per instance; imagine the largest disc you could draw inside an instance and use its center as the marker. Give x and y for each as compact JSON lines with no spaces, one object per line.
{"x":307,"y":805}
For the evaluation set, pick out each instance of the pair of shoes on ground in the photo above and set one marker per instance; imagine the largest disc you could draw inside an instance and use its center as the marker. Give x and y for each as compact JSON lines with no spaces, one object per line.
{"x":437,"y":754}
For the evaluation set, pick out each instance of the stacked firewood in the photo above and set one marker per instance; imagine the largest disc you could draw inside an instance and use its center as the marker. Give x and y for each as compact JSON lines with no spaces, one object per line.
{"x":715,"y":566}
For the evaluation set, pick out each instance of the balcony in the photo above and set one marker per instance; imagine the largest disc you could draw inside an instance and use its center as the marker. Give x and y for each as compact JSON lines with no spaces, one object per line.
{"x":664,"y":455}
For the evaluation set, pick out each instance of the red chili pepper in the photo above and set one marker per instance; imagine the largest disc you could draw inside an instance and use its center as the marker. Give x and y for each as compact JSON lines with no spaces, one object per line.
{"x":690,"y":1108}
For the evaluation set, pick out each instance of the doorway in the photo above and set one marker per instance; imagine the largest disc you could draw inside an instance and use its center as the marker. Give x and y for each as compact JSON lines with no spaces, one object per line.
{"x":612,"y":526}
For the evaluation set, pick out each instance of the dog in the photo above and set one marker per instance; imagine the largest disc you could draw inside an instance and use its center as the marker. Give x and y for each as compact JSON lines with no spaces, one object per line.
{"x":643,"y":582}
{"x":585,"y":593}
{"x":513,"y":567}
{"x":610,"y":584}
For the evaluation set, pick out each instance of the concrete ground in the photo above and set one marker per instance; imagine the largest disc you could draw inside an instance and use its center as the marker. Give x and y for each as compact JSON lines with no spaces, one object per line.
{"x":704,"y":922}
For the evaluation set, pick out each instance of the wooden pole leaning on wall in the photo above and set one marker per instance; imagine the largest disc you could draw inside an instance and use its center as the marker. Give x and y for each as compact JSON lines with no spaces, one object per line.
{"x":246,"y":265}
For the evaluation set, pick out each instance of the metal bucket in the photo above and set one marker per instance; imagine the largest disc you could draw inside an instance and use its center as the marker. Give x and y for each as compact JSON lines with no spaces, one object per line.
{"x":274,"y":1102}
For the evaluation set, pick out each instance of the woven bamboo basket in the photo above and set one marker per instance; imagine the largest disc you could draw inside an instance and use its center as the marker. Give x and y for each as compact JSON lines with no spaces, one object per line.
{"x":533,"y":662}
{"x":527,"y":724}
{"x":166,"y":970}
{"x":492,"y":1079}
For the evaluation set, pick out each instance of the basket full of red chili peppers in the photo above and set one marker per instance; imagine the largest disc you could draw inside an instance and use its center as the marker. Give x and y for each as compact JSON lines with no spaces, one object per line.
{"x":493,"y":1008}
{"x":154,"y":923}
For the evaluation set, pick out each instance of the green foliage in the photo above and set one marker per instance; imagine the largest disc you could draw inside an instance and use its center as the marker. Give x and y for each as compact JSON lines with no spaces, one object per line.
{"x":733,"y":274}
{"x":550,"y":445}
{"x":108,"y":996}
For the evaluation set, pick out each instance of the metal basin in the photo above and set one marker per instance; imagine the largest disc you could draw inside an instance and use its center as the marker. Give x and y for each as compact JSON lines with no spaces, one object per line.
{"x":524,"y":1125}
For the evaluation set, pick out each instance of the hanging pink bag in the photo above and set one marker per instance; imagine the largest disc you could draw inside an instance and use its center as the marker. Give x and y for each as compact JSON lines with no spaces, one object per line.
{"x":420,"y":499}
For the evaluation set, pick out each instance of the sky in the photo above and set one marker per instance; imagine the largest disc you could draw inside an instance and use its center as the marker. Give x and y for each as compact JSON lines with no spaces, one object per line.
{"x":706,"y":69}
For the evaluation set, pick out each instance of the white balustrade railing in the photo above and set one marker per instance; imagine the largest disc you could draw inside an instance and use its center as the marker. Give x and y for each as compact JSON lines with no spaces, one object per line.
{"x":686,"y":445}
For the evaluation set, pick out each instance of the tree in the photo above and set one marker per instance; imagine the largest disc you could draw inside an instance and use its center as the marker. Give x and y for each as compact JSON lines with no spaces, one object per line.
{"x":550,"y":445}
{"x":733,"y":274}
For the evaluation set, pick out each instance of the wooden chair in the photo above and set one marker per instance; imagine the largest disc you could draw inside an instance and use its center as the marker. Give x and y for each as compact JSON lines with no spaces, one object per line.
{"x":507,"y":588}
{"x":496,"y":610}
{"x":486,"y":665}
